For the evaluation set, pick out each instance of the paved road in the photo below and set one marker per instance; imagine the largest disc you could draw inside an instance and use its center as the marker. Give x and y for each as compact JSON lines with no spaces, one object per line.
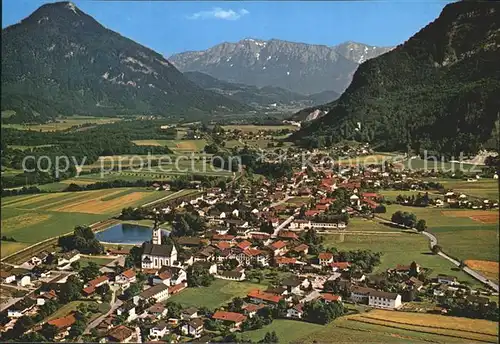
{"x":433,"y":241}
{"x":282,"y":225}
{"x":97,"y":321}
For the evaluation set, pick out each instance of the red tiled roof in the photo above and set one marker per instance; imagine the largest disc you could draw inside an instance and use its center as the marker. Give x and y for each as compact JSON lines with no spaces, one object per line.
{"x":326,"y":200}
{"x":300,"y":248}
{"x":253,"y":308}
{"x":325,"y":256}
{"x":321,"y":207}
{"x":98,"y":280}
{"x":223,"y":237}
{"x":176,"y":288}
{"x":89,"y":290}
{"x":262,"y":236}
{"x":285,"y":260}
{"x":129,"y":273}
{"x":340,"y":265}
{"x":222,"y":245}
{"x":369,"y":195}
{"x":330,"y":297}
{"x":244,"y":244}
{"x":312,"y":212}
{"x":229,"y":316}
{"x":278,"y":245}
{"x":288,"y":234}
{"x":63,"y":322}
{"x":252,"y":252}
{"x":257,"y":294}
{"x":121,"y":333}
{"x":165,"y":275}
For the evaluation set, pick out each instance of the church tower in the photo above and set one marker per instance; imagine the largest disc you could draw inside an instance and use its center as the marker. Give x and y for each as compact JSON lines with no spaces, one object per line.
{"x":157,"y":236}
{"x":156,"y":230}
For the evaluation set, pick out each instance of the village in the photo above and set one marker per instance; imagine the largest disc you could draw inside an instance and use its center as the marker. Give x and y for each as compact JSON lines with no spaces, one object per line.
{"x":244,"y":232}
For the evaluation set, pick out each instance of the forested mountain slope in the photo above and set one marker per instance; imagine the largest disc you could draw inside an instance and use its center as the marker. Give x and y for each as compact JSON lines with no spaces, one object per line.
{"x":60,"y":60}
{"x":437,"y":91}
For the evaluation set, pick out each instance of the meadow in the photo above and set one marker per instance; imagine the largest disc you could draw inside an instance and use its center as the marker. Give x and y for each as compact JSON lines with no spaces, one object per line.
{"x":219,"y":293}
{"x":63,"y":123}
{"x":396,"y":246}
{"x":482,"y":188}
{"x":286,"y":330}
{"x":33,"y":218}
{"x":463,"y":234}
{"x":247,"y":128}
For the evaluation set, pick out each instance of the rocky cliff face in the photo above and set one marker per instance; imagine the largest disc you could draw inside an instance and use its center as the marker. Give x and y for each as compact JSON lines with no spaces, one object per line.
{"x":298,"y":67}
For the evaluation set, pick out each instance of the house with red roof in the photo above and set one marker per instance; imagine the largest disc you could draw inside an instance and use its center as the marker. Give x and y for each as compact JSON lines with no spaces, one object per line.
{"x":325,"y":258}
{"x":126,"y":277}
{"x":295,"y":312}
{"x":257,"y":296}
{"x":95,"y":283}
{"x":301,"y":249}
{"x":340,"y":266}
{"x":278,"y":248}
{"x":230,"y":318}
{"x":284,"y":261}
{"x":252,"y":255}
{"x":327,"y":298}
{"x":63,"y":324}
{"x":244,"y":244}
{"x":312,"y":212}
{"x":288,"y":235}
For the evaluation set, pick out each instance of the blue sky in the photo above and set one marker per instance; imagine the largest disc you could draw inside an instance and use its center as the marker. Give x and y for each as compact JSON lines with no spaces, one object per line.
{"x":171,"y":27}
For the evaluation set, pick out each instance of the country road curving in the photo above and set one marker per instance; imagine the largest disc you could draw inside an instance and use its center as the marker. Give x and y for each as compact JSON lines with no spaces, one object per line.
{"x":433,"y":241}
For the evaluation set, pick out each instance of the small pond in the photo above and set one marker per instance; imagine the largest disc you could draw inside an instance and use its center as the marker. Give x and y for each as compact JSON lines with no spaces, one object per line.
{"x":125,"y":233}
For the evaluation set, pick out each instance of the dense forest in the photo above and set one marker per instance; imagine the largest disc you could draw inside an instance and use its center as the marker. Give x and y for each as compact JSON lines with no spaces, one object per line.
{"x":438,"y":91}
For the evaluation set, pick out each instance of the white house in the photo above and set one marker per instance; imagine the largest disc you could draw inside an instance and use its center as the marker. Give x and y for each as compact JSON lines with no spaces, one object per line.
{"x":127,"y":309}
{"x":445,"y":279}
{"x":24,"y":281}
{"x":193,"y":328}
{"x":158,"y":330}
{"x":7,"y":277}
{"x":295,"y":312}
{"x":382,"y":299}
{"x":158,"y":293}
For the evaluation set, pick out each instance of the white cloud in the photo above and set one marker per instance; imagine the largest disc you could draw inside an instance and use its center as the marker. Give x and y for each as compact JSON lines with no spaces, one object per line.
{"x":219,"y":13}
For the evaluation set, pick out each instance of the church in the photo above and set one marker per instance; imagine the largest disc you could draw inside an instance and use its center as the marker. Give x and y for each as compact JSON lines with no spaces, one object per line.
{"x":156,"y":255}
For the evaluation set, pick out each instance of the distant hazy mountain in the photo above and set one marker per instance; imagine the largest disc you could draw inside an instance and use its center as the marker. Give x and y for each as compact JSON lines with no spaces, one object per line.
{"x":255,"y":96}
{"x":438,"y":91}
{"x":60,"y":60}
{"x":298,"y":67}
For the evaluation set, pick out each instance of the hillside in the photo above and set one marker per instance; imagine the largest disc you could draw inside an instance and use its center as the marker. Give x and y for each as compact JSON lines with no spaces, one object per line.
{"x":255,"y":96}
{"x":299,"y":67}
{"x":438,"y":91}
{"x":60,"y":60}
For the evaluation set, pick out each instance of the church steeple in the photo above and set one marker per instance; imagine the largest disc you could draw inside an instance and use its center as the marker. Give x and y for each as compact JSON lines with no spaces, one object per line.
{"x":156,"y":231}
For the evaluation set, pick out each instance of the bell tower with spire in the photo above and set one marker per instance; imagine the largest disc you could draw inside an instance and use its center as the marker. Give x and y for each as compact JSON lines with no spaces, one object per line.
{"x":156,"y":231}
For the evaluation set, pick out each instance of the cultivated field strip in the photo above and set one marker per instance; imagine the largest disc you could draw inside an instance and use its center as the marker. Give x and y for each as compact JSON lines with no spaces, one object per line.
{"x":424,"y":329}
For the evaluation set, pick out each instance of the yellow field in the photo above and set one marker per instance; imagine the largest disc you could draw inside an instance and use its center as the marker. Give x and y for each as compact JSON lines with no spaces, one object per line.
{"x":452,"y":327}
{"x":30,"y":219}
{"x":23,"y":220}
{"x":99,"y":206}
{"x":488,"y":268}
{"x":64,"y":123}
{"x":476,"y":215}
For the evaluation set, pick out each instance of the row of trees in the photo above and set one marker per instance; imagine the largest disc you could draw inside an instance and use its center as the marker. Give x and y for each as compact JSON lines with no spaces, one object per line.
{"x":409,"y":220}
{"x":83,"y":239}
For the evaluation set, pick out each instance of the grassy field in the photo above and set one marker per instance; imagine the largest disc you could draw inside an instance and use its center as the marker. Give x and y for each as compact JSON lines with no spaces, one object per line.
{"x":447,"y":327}
{"x":186,"y":146}
{"x":390,"y":195}
{"x":33,"y":218}
{"x":371,"y":159}
{"x":397,"y":247}
{"x":482,"y":188}
{"x":215,"y":296}
{"x":286,"y":330}
{"x":84,"y":261}
{"x":420,"y":164}
{"x":460,"y":236}
{"x":256,"y":128}
{"x":161,"y":143}
{"x":63,"y":124}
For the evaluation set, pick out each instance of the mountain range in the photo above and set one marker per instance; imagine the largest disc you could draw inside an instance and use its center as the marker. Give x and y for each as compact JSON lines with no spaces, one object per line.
{"x":60,"y":60}
{"x":298,"y":67}
{"x":267,"y":96}
{"x":438,"y":91}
